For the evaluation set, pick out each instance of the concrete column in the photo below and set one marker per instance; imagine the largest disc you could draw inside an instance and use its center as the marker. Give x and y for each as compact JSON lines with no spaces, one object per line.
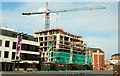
{"x":71,"y":53}
{"x":63,"y":40}
{"x":38,"y":38}
{"x":58,"y":41}
{"x":3,"y":47}
{"x":69,"y":39}
{"x":43,"y":38}
{"x":10,"y":50}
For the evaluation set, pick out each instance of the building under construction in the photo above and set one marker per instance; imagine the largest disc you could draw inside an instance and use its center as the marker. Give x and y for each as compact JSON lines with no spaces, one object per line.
{"x":62,"y":50}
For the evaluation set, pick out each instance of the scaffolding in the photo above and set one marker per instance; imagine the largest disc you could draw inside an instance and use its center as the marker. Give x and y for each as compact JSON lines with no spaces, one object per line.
{"x":64,"y":57}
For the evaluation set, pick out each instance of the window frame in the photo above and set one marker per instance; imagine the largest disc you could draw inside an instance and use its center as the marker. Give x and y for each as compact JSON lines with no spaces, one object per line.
{"x":6,"y":55}
{"x":7,"y":44}
{"x":1,"y":42}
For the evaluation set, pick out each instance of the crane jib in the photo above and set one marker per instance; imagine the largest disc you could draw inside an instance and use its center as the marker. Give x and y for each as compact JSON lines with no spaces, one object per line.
{"x":49,"y":11}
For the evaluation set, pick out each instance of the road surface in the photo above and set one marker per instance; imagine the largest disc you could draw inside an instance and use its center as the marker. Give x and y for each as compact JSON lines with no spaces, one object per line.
{"x":59,"y":73}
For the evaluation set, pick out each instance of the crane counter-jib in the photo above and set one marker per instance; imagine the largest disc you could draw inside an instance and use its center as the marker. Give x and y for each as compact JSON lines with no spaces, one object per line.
{"x":33,"y":13}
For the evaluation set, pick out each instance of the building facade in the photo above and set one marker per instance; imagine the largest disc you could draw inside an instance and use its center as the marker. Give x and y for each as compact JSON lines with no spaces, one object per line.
{"x":97,"y":58}
{"x":29,"y":49}
{"x":63,"y":42}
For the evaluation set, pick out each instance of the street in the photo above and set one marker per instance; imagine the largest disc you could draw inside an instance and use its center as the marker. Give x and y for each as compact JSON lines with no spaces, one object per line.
{"x":59,"y":73}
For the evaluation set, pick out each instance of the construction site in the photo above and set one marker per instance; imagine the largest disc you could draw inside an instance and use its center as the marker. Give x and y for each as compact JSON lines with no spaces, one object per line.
{"x":60,"y":50}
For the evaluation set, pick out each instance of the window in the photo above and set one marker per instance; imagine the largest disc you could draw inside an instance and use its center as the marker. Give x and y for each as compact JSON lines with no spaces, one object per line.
{"x":14,"y":45}
{"x":28,"y":57}
{"x":46,"y":44}
{"x":43,"y":54}
{"x":45,"y":38}
{"x":66,"y":38}
{"x":55,"y":43}
{"x":36,"y":39}
{"x":51,"y":59}
{"x":45,"y":33}
{"x":0,"y":54}
{"x":7,"y":43}
{"x":24,"y":47}
{"x":52,"y":54}
{"x":6,"y":53}
{"x":0,"y":42}
{"x":54,"y":37}
{"x":57,"y":58}
{"x":13,"y":55}
{"x":41,"y":38}
{"x":14,"y":35}
{"x":50,"y":32}
{"x":28,"y":47}
{"x":41,"y":44}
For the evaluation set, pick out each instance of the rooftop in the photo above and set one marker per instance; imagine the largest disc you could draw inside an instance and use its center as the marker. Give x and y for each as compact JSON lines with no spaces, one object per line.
{"x":57,"y":29}
{"x":117,"y":54}
{"x":95,"y":50}
{"x":11,"y":33}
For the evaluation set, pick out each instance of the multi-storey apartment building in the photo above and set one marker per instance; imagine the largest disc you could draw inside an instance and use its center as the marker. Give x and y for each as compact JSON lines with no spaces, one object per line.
{"x":62,"y":42}
{"x":29,"y":49}
{"x":97,"y":58}
{"x":115,"y":58}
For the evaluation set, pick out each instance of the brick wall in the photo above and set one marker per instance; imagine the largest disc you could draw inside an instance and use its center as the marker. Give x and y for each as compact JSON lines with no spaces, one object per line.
{"x":97,"y":59}
{"x":115,"y":57}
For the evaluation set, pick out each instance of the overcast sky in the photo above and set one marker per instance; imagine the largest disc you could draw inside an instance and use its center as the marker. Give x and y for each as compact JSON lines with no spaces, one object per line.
{"x":99,"y":28}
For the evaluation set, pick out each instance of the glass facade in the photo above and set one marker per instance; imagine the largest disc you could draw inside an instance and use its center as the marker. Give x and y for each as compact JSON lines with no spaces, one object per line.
{"x":29,"y":47}
{"x":24,"y":56}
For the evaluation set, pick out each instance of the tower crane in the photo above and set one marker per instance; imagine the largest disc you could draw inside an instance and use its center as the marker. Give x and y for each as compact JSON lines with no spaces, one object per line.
{"x":48,"y":11}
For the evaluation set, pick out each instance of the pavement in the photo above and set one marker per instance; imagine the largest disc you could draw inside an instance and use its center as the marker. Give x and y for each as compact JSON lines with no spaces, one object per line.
{"x":58,"y":73}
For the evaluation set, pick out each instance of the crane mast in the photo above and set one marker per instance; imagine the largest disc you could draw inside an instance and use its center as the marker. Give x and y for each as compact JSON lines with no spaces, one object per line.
{"x":47,"y":17}
{"x":48,"y":11}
